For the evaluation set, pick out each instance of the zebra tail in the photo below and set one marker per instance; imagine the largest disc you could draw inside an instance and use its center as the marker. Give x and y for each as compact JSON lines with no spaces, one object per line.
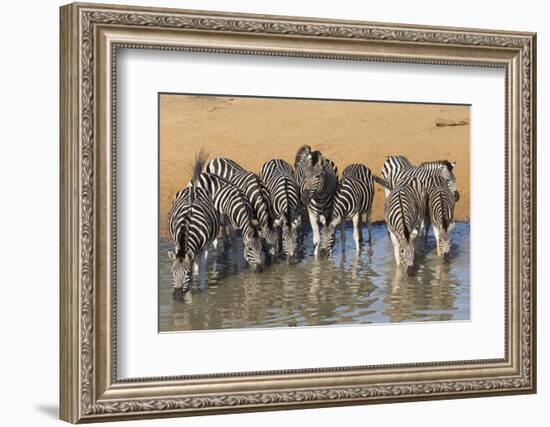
{"x":200,"y":161}
{"x":382,"y":182}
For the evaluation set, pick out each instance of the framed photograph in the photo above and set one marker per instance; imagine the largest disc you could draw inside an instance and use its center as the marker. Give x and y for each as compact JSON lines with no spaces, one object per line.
{"x":266,"y":212}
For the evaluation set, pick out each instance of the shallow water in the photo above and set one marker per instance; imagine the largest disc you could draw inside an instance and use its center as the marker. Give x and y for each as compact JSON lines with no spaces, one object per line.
{"x":346,"y":289}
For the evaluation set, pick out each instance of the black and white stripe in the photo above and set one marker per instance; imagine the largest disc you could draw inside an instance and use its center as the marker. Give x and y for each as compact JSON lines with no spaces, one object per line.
{"x":231,"y":203}
{"x":440,"y":213}
{"x":397,"y":170}
{"x":404,"y":213}
{"x":317,"y":181}
{"x":256,"y":192}
{"x":352,"y":199}
{"x":279,"y":179}
{"x":193,"y":224}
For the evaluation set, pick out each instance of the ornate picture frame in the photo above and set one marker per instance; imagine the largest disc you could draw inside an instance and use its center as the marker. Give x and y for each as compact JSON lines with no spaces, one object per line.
{"x":90,"y":37}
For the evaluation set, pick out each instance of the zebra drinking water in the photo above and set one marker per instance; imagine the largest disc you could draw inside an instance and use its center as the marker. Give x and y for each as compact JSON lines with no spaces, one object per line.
{"x":317,"y":180}
{"x":440,"y":213}
{"x":230,"y":202}
{"x":404,"y":213}
{"x":352,"y":199}
{"x":278,"y":177}
{"x":193,"y":224}
{"x":256,"y":192}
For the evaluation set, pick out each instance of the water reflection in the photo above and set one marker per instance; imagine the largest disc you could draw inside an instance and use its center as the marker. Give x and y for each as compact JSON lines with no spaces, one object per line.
{"x":349,"y":288}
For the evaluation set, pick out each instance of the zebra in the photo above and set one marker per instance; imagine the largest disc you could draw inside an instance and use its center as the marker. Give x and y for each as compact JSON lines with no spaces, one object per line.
{"x":404,"y":213}
{"x":256,"y":192}
{"x":353,"y":198}
{"x":278,"y":177}
{"x":193,"y":223}
{"x":397,"y":169}
{"x":440,"y":213}
{"x":230,"y":202}
{"x":317,"y":180}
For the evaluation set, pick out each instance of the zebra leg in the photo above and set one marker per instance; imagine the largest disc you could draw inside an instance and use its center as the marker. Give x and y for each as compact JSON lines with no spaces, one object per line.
{"x":437,"y":246}
{"x":356,"y":231}
{"x":395,"y":243}
{"x":228,"y":231}
{"x":360,"y":227}
{"x":196,"y":262}
{"x":232,"y":235}
{"x":220,"y":237}
{"x":202,"y":265}
{"x":387,"y":193}
{"x":369,"y":226}
{"x":315,"y":231}
{"x":426,"y":227}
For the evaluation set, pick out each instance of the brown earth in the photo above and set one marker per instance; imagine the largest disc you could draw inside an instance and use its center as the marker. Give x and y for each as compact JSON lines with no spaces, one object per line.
{"x":254,"y":130}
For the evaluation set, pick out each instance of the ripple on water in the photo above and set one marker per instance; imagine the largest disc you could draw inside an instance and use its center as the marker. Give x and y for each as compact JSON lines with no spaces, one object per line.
{"x":349,"y":288}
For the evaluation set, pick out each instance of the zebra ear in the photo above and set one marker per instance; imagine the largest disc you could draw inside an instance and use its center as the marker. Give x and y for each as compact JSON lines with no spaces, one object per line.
{"x":171,"y":255}
{"x":322,"y":219}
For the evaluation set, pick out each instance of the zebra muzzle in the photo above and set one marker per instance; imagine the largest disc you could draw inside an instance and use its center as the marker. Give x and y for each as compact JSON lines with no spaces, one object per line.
{"x":179,"y":294}
{"x":410,"y":270}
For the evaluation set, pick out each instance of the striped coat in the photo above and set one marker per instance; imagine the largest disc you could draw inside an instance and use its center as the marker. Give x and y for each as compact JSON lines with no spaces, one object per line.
{"x":279,"y":179}
{"x":193,"y":223}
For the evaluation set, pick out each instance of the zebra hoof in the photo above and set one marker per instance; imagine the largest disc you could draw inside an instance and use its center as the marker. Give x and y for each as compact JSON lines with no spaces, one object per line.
{"x":178,"y":294}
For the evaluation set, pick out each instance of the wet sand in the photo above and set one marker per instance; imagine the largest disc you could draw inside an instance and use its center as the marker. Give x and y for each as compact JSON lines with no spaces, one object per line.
{"x":254,"y":130}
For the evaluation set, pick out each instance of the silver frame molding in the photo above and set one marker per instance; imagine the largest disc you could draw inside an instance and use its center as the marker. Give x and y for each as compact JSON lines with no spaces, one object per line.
{"x":90,"y":37}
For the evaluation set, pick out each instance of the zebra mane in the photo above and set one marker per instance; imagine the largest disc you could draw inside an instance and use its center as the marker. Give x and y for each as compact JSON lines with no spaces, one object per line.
{"x":445,"y":221}
{"x":190,"y":193}
{"x":287,"y":213}
{"x":316,"y":157}
{"x":197,"y":167}
{"x":302,"y":151}
{"x":405,"y":229}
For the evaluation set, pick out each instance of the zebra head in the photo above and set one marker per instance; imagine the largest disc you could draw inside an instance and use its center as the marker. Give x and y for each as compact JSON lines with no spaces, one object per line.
{"x":443,"y":239}
{"x":315,"y":176}
{"x":253,"y":251}
{"x":406,"y":252}
{"x":290,"y":236}
{"x":328,"y":236}
{"x":270,"y":238}
{"x":446,"y":171}
{"x":181,"y":273}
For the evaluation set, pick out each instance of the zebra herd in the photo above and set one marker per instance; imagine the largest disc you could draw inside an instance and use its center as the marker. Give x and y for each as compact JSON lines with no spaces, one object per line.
{"x":270,"y":209}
